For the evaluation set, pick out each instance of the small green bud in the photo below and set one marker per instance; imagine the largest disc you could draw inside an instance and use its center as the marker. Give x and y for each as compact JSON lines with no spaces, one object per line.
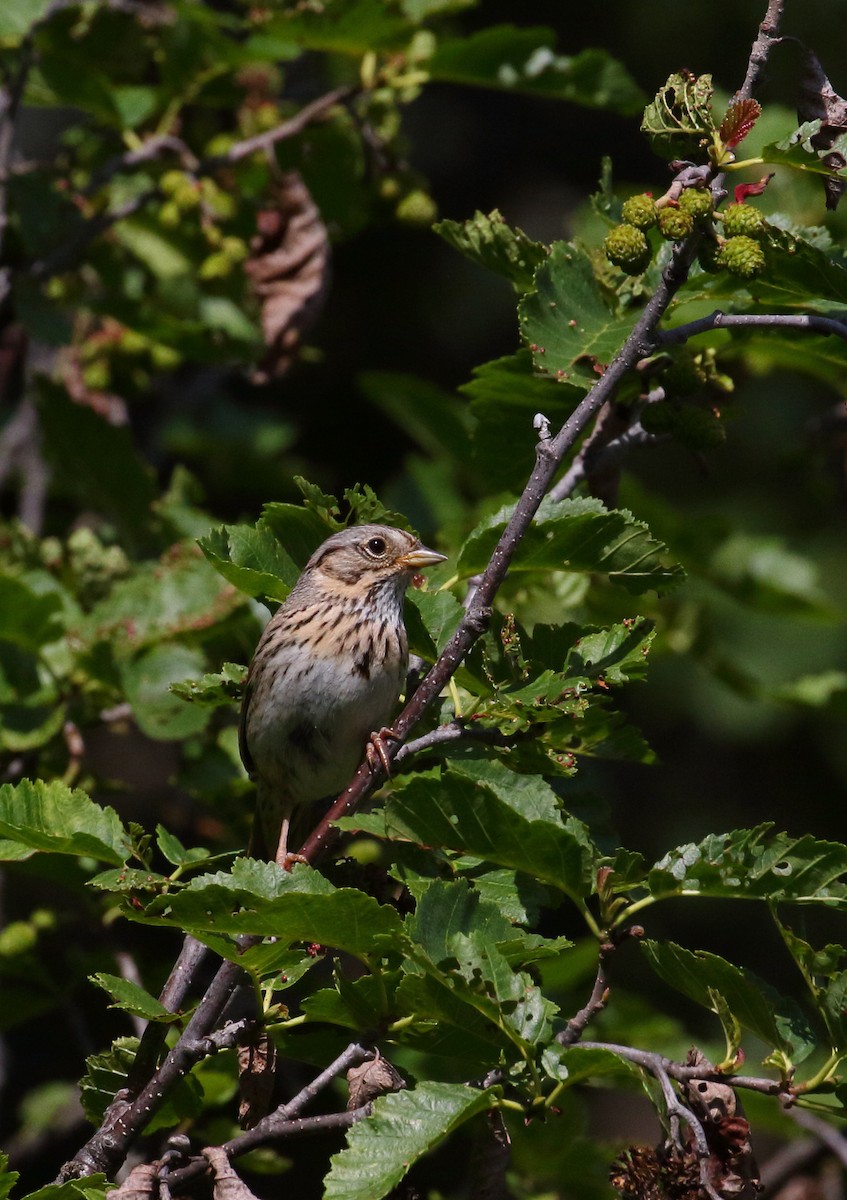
{"x":743,"y":220}
{"x":742,"y":256}
{"x":675,"y":224}
{"x":416,"y":208}
{"x":639,"y":211}
{"x":627,"y":248}
{"x":697,"y":201}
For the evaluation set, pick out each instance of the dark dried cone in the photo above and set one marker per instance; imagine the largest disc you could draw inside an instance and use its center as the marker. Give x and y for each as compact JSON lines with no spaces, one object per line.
{"x":641,"y":1173}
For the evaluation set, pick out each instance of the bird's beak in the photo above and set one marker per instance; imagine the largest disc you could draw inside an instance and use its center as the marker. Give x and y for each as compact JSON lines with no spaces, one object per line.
{"x":421,"y":557}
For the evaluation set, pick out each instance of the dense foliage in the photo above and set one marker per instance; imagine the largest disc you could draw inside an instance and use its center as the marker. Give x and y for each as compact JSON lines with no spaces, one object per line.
{"x":166,"y":261}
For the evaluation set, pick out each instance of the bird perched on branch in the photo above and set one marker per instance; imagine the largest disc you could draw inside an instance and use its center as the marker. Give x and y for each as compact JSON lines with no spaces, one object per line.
{"x":326,"y":675}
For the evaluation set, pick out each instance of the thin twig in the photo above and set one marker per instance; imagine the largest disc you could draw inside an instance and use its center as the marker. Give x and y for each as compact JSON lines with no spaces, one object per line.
{"x":721,"y":320}
{"x":767,"y":38}
{"x":577,"y":1024}
{"x":456,"y":732}
{"x":834,"y":1141}
{"x":651,"y":1061}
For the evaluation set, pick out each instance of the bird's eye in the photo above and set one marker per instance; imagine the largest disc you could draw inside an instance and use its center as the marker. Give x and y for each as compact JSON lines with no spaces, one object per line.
{"x":376,"y":547}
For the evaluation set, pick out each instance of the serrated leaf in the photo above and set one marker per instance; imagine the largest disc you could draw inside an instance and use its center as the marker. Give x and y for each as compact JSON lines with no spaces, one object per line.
{"x":524,"y":60}
{"x":56,"y":819}
{"x":739,"y":119}
{"x":755,"y":864}
{"x":567,"y":321}
{"x":261,"y":899}
{"x":490,"y":242}
{"x":252,"y":559}
{"x":579,"y":535}
{"x":707,"y":978}
{"x":798,"y":151}
{"x":92,"y":1187}
{"x":132,"y":998}
{"x":220,"y":689}
{"x":354,"y":1004}
{"x":405,"y":1125}
{"x":8,"y":1178}
{"x":465,"y":815}
{"x":679,"y":118}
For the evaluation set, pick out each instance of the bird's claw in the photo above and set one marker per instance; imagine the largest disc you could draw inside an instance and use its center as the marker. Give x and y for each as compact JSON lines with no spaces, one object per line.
{"x":376,"y":752}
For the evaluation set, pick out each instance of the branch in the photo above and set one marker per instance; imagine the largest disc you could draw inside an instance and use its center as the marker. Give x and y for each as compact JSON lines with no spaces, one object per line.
{"x":549,"y":454}
{"x":576,"y":1026}
{"x":457,"y":731}
{"x":834,"y":1141}
{"x":653,"y":1062}
{"x":767,"y":38}
{"x":721,"y":320}
{"x":285,"y":1121}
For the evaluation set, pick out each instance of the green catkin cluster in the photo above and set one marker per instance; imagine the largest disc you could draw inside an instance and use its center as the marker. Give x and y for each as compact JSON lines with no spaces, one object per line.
{"x":743,"y":220}
{"x":639,"y":211}
{"x":675,"y":223}
{"x":742,"y":256}
{"x":627,"y":248}
{"x":696,"y":201}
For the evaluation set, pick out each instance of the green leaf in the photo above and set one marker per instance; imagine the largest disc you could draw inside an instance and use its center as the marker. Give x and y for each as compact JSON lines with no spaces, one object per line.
{"x":431,"y":621}
{"x":91,"y":1187}
{"x":132,"y":998}
{"x":147,"y":680}
{"x":707,"y":978}
{"x":251,"y":558}
{"x":347,"y":27}
{"x":180,"y":595}
{"x":679,"y":118}
{"x":490,"y":242}
{"x":763,"y":573}
{"x":261,"y":899}
{"x":28,"y":618}
{"x":17,"y":17}
{"x":505,"y":395}
{"x":58,"y":820}
{"x":219,"y":689}
{"x":826,"y":979}
{"x":104,"y":471}
{"x":755,"y":864}
{"x":524,"y":60}
{"x":175,"y":852}
{"x":579,"y":535}
{"x":8,"y":1178}
{"x":567,"y":321}
{"x":826,"y":692}
{"x":798,"y":152}
{"x":405,"y":1125}
{"x":462,"y":814}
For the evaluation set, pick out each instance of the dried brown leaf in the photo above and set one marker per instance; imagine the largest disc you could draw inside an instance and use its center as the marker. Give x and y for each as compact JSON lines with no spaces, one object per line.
{"x":257,"y":1071}
{"x":288,"y":269}
{"x":142,"y":1183}
{"x":372,"y":1079}
{"x":228,"y":1184}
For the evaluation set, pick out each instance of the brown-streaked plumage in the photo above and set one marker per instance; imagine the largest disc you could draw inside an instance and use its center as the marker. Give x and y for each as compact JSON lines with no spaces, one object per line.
{"x":326,"y":675}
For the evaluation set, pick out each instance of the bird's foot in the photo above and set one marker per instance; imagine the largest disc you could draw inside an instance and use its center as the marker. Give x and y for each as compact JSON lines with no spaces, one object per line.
{"x":376,"y":751}
{"x":286,"y":859}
